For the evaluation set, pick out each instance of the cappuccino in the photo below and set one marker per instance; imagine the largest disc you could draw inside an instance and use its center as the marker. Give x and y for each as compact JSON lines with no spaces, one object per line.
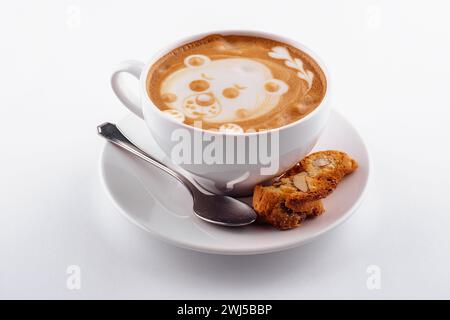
{"x":236,"y":83}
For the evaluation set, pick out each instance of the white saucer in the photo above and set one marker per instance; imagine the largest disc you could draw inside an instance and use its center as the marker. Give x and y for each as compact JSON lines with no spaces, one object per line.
{"x":159,"y":204}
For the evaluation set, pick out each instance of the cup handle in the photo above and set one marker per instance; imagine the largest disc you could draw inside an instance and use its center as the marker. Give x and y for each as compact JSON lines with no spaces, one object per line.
{"x":130,"y":99}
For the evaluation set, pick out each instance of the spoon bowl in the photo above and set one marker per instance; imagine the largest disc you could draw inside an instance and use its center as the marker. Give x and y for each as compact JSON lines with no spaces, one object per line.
{"x":217,"y":209}
{"x":224,"y":210}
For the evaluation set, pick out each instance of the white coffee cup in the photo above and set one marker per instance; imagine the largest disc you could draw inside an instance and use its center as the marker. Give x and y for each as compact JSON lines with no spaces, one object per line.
{"x":289,"y":143}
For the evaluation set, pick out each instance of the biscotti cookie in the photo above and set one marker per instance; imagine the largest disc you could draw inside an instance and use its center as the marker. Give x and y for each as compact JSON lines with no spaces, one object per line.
{"x":296,"y":194}
{"x":270,"y":206}
{"x":335,"y":164}
{"x":316,"y":176}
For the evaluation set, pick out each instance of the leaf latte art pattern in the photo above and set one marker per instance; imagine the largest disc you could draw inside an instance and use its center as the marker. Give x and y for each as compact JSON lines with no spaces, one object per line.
{"x":282,"y":53}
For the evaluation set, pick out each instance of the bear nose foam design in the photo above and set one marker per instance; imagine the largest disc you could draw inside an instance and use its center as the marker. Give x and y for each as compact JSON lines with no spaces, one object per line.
{"x":230,"y":92}
{"x":205,"y":99}
{"x":199,"y":85}
{"x":203,"y":105}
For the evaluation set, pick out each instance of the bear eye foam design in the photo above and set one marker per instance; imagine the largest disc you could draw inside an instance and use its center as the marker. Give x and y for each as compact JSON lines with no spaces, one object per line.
{"x":275,"y":86}
{"x":230,"y":92}
{"x":199,"y":85}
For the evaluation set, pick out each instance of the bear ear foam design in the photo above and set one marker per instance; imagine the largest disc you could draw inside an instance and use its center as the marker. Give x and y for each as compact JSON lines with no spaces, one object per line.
{"x":196,"y":60}
{"x":275,"y":87}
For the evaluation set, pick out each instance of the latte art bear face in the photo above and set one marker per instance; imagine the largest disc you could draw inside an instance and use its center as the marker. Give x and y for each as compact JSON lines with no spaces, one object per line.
{"x":236,"y":83}
{"x":223,"y":90}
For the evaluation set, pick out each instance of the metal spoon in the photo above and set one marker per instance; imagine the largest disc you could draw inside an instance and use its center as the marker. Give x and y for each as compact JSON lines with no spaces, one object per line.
{"x":217,"y":209}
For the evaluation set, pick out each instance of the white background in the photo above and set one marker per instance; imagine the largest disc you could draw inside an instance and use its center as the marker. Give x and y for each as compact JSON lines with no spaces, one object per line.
{"x":391,"y":65}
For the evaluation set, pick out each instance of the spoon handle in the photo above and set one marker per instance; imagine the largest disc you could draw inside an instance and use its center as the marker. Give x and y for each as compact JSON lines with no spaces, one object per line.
{"x":113,"y":134}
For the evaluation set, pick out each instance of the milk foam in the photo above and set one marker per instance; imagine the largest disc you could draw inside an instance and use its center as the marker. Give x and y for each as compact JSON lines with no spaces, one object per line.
{"x":236,"y":83}
{"x":223,"y":90}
